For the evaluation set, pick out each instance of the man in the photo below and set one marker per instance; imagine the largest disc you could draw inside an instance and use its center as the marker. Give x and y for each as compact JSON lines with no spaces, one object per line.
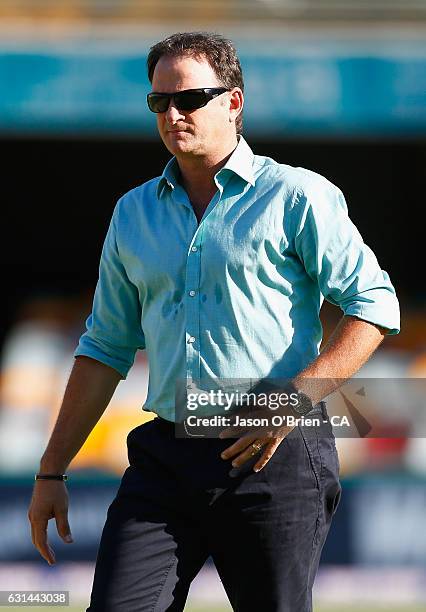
{"x":217,"y":268}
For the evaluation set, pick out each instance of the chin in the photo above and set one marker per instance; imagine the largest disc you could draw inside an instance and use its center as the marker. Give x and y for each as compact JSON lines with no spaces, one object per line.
{"x":179,"y":145}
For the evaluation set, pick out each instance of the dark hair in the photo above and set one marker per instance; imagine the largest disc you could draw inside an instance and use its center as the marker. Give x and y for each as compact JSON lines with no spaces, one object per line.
{"x":218,"y":51}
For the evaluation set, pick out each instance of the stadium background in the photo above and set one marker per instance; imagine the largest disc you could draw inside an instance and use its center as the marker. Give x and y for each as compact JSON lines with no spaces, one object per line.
{"x":335,"y":86}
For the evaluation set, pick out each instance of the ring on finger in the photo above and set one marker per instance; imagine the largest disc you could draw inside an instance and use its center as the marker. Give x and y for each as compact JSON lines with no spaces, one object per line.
{"x":256,"y":446}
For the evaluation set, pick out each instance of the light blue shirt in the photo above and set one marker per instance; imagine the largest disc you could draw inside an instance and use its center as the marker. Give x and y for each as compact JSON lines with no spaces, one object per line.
{"x":238,"y":295}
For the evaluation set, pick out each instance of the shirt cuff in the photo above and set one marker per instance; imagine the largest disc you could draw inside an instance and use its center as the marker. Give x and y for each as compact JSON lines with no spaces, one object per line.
{"x":89,"y":348}
{"x":385,"y":314}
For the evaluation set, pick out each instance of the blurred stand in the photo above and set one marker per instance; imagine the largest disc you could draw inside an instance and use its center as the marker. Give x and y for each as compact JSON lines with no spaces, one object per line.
{"x":37,"y":359}
{"x":213,"y":12}
{"x":35,"y":365}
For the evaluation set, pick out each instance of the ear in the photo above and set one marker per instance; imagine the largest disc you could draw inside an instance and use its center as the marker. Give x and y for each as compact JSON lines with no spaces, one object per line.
{"x":236,"y":103}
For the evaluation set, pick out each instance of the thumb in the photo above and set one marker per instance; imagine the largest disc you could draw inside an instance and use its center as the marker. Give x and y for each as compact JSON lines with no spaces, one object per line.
{"x":63,"y":527}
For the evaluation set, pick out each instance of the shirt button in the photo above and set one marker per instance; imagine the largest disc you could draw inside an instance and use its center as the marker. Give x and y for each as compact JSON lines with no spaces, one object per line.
{"x":192,"y":293}
{"x":194,"y":249}
{"x":191,"y":339}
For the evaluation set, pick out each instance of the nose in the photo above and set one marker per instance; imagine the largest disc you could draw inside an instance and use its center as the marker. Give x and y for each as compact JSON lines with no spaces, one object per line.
{"x":173,"y":115}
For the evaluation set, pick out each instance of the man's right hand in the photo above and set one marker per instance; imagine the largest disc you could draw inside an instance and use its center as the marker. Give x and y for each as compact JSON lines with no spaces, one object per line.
{"x":49,"y":500}
{"x":88,"y":392}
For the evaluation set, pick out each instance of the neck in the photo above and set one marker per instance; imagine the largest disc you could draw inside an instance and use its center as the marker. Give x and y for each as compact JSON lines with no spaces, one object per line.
{"x":198,"y":172}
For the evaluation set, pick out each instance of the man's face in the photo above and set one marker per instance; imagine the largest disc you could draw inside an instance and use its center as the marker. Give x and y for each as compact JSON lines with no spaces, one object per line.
{"x":199,"y":132}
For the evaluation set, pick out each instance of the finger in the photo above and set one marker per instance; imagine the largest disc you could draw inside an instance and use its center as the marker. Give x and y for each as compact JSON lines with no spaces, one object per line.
{"x":46,"y":551}
{"x":247,"y":454}
{"x":236,"y":431}
{"x":63,"y":526}
{"x":238,"y":446}
{"x":41,"y":543}
{"x":268,"y":452}
{"x":47,"y":558}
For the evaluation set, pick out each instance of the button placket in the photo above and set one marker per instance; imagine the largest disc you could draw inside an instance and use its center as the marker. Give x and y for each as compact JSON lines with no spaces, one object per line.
{"x":192,"y":281}
{"x":192,"y":285}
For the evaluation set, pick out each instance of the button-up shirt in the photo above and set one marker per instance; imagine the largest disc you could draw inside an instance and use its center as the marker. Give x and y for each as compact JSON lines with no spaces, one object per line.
{"x":238,"y":295}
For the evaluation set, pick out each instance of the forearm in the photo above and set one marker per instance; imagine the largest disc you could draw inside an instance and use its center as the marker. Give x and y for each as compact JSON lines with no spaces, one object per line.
{"x":88,"y":393}
{"x":350,"y":346}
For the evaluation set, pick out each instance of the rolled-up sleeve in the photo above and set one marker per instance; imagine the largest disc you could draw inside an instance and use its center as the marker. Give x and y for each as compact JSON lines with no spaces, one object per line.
{"x":335,"y":255}
{"x":114,"y":331}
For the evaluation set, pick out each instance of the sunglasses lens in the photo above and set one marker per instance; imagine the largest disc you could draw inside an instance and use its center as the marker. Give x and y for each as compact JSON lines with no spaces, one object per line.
{"x":190,"y":100}
{"x":158,"y":103}
{"x":184,"y":100}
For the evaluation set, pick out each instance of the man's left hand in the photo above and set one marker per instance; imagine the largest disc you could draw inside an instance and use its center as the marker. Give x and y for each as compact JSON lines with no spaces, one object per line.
{"x":265,"y":441}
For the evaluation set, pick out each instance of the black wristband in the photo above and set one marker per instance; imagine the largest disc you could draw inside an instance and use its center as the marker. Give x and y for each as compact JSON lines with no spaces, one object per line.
{"x":304,"y":403}
{"x":62,"y":477}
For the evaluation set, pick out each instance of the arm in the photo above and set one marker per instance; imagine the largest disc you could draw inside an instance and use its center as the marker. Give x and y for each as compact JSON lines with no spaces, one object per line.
{"x":104,"y":354}
{"x":349,"y":347}
{"x":88,"y":393}
{"x":348,"y":275}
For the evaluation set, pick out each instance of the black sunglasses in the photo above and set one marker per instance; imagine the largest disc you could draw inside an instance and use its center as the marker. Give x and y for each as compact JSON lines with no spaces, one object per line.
{"x":188,"y":99}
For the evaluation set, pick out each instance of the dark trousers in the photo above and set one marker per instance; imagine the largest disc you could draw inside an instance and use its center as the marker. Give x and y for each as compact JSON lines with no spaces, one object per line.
{"x":177,"y":505}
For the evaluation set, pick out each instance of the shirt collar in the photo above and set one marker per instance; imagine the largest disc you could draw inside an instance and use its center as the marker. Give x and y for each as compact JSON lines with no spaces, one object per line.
{"x":240,"y":163}
{"x":169,"y":178}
